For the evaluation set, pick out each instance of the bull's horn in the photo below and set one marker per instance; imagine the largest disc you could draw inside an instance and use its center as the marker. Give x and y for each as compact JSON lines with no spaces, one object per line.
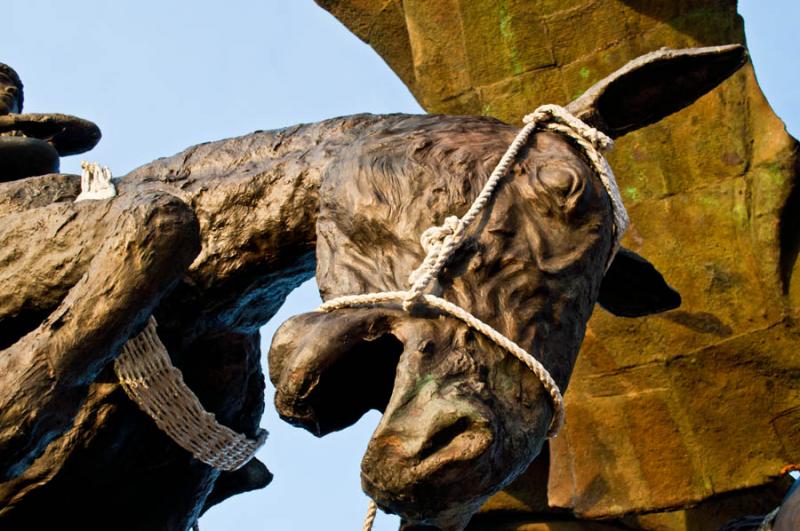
{"x":654,"y":86}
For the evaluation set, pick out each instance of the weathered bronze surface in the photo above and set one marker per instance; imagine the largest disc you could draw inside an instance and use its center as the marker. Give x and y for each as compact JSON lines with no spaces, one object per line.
{"x":698,"y":403}
{"x":212,"y":239}
{"x":31,"y":144}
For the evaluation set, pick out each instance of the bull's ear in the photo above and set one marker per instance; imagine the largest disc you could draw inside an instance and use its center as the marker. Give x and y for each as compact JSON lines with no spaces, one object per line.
{"x":654,"y":86}
{"x":632,"y":287}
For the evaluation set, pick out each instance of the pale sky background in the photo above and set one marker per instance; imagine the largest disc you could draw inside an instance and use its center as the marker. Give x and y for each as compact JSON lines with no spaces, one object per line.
{"x":158,"y":76}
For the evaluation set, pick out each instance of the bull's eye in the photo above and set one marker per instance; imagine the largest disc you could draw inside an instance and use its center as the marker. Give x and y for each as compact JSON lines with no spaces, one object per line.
{"x":560,"y":180}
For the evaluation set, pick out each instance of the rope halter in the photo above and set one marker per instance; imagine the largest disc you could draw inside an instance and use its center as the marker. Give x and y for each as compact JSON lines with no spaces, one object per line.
{"x":441,"y":242}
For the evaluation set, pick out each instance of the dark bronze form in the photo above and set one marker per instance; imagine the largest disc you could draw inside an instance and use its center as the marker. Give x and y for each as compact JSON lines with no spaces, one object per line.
{"x":31,"y":144}
{"x":211,"y":240}
{"x":785,"y":517}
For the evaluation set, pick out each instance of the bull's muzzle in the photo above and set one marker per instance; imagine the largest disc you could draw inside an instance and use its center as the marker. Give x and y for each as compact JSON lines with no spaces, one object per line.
{"x":460,"y":417}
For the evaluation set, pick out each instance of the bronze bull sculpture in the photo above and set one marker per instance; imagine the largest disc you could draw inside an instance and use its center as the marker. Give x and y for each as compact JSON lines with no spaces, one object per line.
{"x":211,"y":240}
{"x":460,"y":418}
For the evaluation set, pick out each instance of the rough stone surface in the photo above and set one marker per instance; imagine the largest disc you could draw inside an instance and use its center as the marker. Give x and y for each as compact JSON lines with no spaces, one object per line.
{"x":670,"y":410}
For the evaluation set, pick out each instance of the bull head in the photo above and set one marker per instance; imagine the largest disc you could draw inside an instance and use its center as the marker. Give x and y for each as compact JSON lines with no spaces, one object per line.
{"x":461,"y":418}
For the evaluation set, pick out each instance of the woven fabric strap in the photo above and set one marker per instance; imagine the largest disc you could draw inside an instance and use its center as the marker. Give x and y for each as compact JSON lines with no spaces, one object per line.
{"x":441,"y":242}
{"x":157,"y":387}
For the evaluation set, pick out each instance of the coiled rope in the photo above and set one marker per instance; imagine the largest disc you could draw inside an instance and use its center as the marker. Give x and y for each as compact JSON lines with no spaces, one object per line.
{"x":441,"y":242}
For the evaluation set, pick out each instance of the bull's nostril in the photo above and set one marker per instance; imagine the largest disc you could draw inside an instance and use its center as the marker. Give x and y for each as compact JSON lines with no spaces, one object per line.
{"x":442,"y":438}
{"x":426,"y":346}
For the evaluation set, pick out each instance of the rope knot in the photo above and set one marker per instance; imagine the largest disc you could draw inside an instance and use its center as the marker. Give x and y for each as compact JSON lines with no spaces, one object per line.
{"x":555,"y":114}
{"x":435,"y":243}
{"x":597,"y":138}
{"x":433,"y":237}
{"x":96,"y":182}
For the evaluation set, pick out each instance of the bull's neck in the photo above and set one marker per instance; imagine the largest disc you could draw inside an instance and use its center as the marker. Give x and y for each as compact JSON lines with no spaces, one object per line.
{"x":257,"y":199}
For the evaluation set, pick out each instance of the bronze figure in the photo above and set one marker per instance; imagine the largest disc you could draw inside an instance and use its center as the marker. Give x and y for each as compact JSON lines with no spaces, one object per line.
{"x":31,"y":144}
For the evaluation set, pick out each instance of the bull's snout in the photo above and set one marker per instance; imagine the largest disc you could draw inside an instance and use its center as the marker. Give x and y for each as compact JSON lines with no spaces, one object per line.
{"x":418,"y":446}
{"x":460,"y":419}
{"x":426,"y":467}
{"x":431,"y":457}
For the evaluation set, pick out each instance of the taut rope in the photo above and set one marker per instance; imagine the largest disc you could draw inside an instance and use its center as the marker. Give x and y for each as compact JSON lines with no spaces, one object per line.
{"x":440,"y":243}
{"x":372,"y":511}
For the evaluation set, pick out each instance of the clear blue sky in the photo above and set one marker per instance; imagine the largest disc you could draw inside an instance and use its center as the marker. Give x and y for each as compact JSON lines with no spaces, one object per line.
{"x":160,"y":76}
